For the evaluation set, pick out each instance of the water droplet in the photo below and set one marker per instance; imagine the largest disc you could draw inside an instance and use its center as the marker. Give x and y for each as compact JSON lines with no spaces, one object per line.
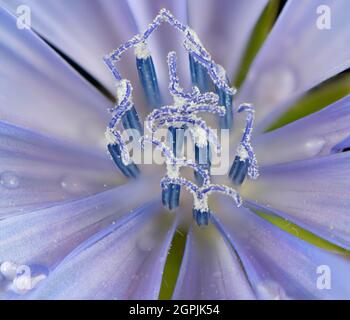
{"x":9,"y":180}
{"x":270,"y":290}
{"x":275,"y":85}
{"x":72,"y":184}
{"x":146,"y":242}
{"x":313,"y":146}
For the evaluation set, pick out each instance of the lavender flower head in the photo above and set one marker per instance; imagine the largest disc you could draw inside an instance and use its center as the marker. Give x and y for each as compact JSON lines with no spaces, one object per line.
{"x":189,"y":168}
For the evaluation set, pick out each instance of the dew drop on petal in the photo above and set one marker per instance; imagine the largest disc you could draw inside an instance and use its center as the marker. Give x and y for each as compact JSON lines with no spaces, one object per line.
{"x":9,"y":180}
{"x":270,"y":290}
{"x":313,"y":146}
{"x":275,"y":85}
{"x":146,"y":242}
{"x":72,"y":184}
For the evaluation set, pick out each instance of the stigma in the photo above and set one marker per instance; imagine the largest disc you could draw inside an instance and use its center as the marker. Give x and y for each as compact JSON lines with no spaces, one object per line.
{"x":210,"y":93}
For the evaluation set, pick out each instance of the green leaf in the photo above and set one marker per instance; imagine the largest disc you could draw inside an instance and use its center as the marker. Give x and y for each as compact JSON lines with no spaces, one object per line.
{"x":302,"y":233}
{"x":172,"y":265}
{"x":258,"y":36}
{"x":316,"y":99}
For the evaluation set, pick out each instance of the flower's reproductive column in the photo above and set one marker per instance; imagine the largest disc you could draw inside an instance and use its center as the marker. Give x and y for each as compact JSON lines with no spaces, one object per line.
{"x":182,"y":114}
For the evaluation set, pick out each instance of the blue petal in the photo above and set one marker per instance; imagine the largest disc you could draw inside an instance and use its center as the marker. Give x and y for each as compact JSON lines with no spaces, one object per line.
{"x":225,"y":27}
{"x":210,"y":269}
{"x":297,"y":56}
{"x":45,"y":237}
{"x":41,"y":92}
{"x":37,"y":171}
{"x":124,"y":261}
{"x":318,"y":134}
{"x":83,"y":30}
{"x":279,"y":265}
{"x":314,"y":194}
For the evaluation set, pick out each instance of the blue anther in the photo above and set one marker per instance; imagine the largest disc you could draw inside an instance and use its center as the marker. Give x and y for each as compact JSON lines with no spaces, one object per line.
{"x":203,"y":159}
{"x":148,"y":78}
{"x":225,"y":99}
{"x":130,"y":170}
{"x":171,"y":196}
{"x":131,"y":120}
{"x":134,"y":170}
{"x":176,"y":139}
{"x":201,"y":217}
{"x":239,"y":170}
{"x":199,"y":75}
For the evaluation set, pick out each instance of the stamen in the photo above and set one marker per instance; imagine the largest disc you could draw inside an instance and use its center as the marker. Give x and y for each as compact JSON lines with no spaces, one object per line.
{"x":199,"y":75}
{"x":239,"y":170}
{"x":225,"y":99}
{"x":147,"y":75}
{"x":131,"y":120}
{"x":203,"y":159}
{"x":130,"y":170}
{"x":201,"y":217}
{"x":171,"y":194}
{"x":182,"y":114}
{"x":245,"y":162}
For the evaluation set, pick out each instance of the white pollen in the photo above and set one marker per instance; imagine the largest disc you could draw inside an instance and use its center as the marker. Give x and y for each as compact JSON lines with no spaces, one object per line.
{"x":221,"y":72}
{"x":110,"y":136}
{"x":142,"y":51}
{"x":190,"y":46}
{"x":200,"y":136}
{"x":201,"y":204}
{"x":179,"y":101}
{"x":242,"y":153}
{"x":173,"y":171}
{"x":121,"y":89}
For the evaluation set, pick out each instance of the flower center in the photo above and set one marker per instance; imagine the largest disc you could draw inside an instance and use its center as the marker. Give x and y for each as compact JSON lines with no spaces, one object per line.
{"x":211,"y":93}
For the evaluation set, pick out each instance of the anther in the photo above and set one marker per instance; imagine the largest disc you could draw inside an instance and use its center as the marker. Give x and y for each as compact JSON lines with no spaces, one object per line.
{"x":225,"y":99}
{"x":201,"y":217}
{"x":129,"y":170}
{"x":239,"y":170}
{"x":171,"y":194}
{"x":199,"y":75}
{"x":131,"y":120}
{"x":147,"y":75}
{"x":203,"y":159}
{"x":206,"y":75}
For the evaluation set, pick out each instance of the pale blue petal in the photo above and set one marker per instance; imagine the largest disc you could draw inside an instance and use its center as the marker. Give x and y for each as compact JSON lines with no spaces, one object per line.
{"x":38,"y":90}
{"x":296,"y":57}
{"x":124,"y":261}
{"x":37,"y":171}
{"x":83,"y":30}
{"x":279,"y":265}
{"x":46,"y":236}
{"x":225,"y":27}
{"x":318,"y":134}
{"x":165,"y":39}
{"x":314,"y":194}
{"x":210,"y":269}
